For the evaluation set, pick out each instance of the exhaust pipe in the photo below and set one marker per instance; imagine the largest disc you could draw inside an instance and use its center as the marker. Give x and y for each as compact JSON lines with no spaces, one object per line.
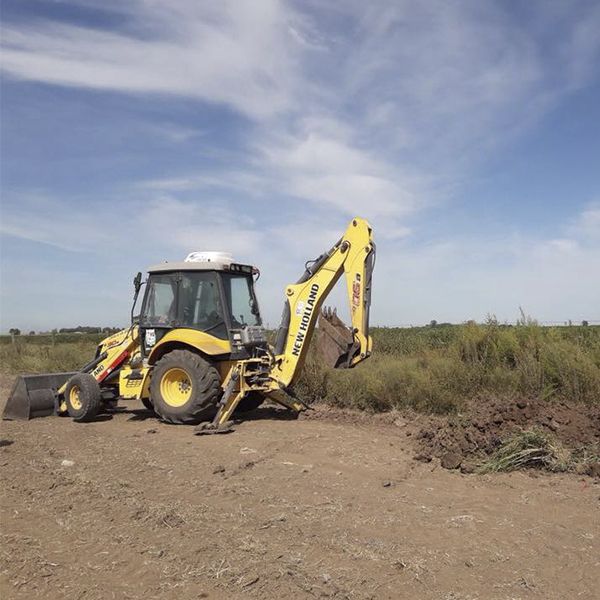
{"x":34,"y":396}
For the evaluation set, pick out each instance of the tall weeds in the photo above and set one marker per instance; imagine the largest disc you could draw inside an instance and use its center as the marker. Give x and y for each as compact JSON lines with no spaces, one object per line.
{"x":23,"y":357}
{"x":435,"y":369}
{"x":430,"y":369}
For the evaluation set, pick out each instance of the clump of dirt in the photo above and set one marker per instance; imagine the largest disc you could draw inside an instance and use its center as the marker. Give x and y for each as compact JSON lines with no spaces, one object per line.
{"x":485,"y":424}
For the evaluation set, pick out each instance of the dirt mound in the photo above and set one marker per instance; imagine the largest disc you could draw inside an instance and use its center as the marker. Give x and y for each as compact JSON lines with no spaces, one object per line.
{"x":482,"y":427}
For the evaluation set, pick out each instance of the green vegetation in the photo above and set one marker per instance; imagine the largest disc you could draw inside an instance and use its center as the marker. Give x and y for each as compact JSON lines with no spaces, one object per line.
{"x":436,"y":369}
{"x":30,"y":355}
{"x":432,"y":369}
{"x":53,"y":339}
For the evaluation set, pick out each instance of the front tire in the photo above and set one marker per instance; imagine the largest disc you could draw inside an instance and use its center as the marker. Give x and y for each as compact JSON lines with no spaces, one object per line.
{"x":185,"y":388}
{"x":83,"y":397}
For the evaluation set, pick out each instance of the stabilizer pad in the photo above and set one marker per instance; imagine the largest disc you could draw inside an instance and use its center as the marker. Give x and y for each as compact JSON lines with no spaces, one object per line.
{"x":210,"y":428}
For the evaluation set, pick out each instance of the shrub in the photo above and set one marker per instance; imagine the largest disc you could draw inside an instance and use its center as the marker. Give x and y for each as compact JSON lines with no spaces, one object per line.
{"x":434,"y":373}
{"x":568,"y":373}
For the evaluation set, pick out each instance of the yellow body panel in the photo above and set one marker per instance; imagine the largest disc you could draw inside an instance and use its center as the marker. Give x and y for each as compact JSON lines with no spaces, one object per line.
{"x":204,"y":342}
{"x":134,"y":388}
{"x":225,"y":367}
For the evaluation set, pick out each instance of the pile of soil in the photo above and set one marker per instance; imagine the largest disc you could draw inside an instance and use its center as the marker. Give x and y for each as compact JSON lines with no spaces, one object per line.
{"x":485,"y":424}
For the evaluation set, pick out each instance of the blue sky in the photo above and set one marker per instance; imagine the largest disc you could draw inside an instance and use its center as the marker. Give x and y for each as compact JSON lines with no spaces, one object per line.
{"x":467,"y":133}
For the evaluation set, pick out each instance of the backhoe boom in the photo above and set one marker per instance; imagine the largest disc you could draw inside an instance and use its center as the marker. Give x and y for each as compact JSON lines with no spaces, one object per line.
{"x":353,"y":255}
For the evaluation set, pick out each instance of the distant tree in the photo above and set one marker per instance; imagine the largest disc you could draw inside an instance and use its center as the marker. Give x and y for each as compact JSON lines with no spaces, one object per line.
{"x":32,"y":332}
{"x":584,"y":323}
{"x":432,"y":323}
{"x":14,"y":331}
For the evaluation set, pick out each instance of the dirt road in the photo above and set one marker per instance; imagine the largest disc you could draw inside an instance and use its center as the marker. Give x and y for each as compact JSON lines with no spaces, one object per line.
{"x":290,"y":509}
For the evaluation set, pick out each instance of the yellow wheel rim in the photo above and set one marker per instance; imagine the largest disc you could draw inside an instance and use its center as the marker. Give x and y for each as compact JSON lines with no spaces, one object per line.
{"x":175,"y":387}
{"x":74,"y":399}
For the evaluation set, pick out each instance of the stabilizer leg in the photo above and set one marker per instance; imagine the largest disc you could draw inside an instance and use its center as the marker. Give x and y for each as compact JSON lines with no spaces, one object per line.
{"x":222,"y":423}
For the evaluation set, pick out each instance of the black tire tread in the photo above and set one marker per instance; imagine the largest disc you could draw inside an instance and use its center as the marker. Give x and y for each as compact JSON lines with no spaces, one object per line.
{"x":148,"y":404}
{"x":90,"y":395}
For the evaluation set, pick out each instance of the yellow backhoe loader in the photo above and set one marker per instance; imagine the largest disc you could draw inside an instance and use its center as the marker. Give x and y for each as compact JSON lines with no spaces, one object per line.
{"x":198,"y":349}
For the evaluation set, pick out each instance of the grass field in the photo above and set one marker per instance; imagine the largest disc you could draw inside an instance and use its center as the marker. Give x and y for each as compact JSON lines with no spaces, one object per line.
{"x":47,"y":354}
{"x":435,"y":369}
{"x":429,"y":369}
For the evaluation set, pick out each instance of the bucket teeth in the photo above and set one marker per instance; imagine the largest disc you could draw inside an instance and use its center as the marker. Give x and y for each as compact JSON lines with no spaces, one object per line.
{"x":34,"y":396}
{"x":335,"y":339}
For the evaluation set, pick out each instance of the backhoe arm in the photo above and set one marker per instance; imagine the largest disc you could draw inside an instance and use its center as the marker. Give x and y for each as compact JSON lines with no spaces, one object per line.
{"x":354,"y":255}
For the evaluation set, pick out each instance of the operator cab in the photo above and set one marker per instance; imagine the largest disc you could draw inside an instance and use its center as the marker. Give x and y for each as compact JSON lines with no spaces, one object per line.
{"x":207,"y":292}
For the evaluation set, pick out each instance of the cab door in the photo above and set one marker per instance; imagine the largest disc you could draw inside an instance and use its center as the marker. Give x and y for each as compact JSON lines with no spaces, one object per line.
{"x":159,"y":310}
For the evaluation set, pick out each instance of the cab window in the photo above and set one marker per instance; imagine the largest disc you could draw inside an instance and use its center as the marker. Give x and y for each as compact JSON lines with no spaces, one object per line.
{"x":242,"y":304}
{"x":200,"y":304}
{"x":160,"y":306}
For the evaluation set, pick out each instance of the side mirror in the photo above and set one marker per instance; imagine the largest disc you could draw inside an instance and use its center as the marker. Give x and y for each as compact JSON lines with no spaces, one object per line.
{"x":137,"y":282}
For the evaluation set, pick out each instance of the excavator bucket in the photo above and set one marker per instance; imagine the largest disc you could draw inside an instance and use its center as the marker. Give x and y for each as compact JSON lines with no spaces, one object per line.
{"x":34,"y":396}
{"x":334,"y":340}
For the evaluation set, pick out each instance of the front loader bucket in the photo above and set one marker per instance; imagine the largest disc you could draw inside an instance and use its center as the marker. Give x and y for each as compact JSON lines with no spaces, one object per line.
{"x":334,"y":340}
{"x":34,"y":396}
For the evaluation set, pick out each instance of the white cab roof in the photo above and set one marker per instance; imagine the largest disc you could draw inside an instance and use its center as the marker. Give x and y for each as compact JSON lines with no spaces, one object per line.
{"x":188,"y":266}
{"x":197,"y":261}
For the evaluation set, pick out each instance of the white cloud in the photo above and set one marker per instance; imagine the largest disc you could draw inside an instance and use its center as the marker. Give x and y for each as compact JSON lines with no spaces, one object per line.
{"x":384,"y":104}
{"x":379,"y":109}
{"x":467,"y":278}
{"x":326,"y":170}
{"x":184,"y":227}
{"x":587,"y":224}
{"x":450,"y":80}
{"x":161,"y":226}
{"x":333,"y":172}
{"x":221,"y":53}
{"x":35,"y":218}
{"x":248,"y":182}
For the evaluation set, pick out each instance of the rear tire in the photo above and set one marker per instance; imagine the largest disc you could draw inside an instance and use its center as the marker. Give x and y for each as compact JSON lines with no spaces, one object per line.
{"x":148,"y":404}
{"x":185,"y":389}
{"x":83,"y":397}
